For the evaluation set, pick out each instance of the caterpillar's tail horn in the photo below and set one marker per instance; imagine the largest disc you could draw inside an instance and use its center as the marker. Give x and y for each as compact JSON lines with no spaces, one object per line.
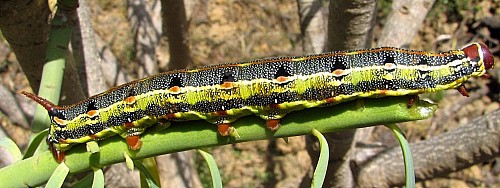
{"x":49,"y":106}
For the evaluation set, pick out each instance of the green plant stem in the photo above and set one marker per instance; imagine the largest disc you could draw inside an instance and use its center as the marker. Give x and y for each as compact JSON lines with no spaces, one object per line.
{"x":188,"y":135}
{"x":53,"y":70}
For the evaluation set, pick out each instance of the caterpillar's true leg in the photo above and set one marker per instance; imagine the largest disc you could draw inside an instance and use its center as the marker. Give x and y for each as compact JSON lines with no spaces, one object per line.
{"x":463,"y":90}
{"x":57,"y":154}
{"x":412,"y":100}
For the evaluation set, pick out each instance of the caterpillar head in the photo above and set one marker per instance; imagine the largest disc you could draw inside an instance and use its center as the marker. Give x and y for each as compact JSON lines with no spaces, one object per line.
{"x":478,"y":52}
{"x":57,"y":118}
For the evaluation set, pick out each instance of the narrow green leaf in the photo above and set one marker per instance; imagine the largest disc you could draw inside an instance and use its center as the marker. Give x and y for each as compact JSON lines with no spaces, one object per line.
{"x":407,"y":157}
{"x":59,"y":175}
{"x":324,"y":156}
{"x":92,"y":147}
{"x":128,"y":161}
{"x":98,"y":179}
{"x":146,"y":175}
{"x":212,"y":166}
{"x":152,"y":168}
{"x":35,"y":142}
{"x":12,"y":148}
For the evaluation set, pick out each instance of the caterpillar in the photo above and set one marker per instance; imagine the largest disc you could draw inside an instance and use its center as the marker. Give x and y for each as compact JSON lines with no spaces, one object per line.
{"x":269,"y":88}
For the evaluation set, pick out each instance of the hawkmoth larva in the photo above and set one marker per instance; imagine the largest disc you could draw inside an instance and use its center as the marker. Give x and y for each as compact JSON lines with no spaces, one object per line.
{"x":269,"y":88}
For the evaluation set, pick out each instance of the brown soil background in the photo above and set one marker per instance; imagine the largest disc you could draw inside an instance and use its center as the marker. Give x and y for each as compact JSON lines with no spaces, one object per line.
{"x":230,"y":31}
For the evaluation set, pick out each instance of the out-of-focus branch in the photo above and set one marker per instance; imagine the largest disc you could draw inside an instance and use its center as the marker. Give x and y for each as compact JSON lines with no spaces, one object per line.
{"x":175,"y":27}
{"x":403,"y":22}
{"x":24,"y":24}
{"x":113,"y":73}
{"x":312,"y":25}
{"x":350,"y":24}
{"x":458,"y":149}
{"x":145,"y":20}
{"x":10,"y":107}
{"x":85,"y":53}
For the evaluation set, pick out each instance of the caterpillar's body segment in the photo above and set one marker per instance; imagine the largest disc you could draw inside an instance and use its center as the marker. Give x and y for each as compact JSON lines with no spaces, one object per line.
{"x":269,"y":88}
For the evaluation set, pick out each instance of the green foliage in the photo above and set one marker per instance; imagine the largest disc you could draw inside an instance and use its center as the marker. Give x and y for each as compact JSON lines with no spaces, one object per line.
{"x":407,"y":157}
{"x":12,"y":148}
{"x":212,"y":166}
{"x":324,"y":156}
{"x":57,"y":178}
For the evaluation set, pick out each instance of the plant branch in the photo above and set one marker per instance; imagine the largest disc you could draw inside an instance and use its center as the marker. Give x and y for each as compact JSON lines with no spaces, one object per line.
{"x":458,"y":149}
{"x":403,"y":22}
{"x":199,"y":134}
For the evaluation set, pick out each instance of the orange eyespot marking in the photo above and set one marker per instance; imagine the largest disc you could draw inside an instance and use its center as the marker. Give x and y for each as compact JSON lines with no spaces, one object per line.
{"x":133,"y":142}
{"x":390,"y":66}
{"x":221,"y":113}
{"x":383,"y":92}
{"x":338,"y":72}
{"x":93,"y":136}
{"x":223,"y":129}
{"x":273,"y":124}
{"x":282,"y":79}
{"x":92,"y":113}
{"x":275,"y":106}
{"x":129,"y":125}
{"x":60,"y":121}
{"x":130,"y":100}
{"x":227,"y":85}
{"x":170,"y":116}
{"x":62,"y":141}
{"x":174,"y":89}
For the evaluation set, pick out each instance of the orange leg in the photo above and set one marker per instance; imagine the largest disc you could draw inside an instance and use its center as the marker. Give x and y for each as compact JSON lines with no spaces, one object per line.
{"x":133,"y":142}
{"x":412,"y":100}
{"x":58,"y":155}
{"x":273,"y":124}
{"x":463,"y":90}
{"x":224,"y":129}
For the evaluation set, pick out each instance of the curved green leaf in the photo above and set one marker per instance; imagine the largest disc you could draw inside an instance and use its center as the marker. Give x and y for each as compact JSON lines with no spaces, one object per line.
{"x":407,"y":157}
{"x":324,"y":156}
{"x":128,"y":161}
{"x":146,"y":174}
{"x":212,"y":166}
{"x":59,"y":175}
{"x":35,"y":142}
{"x":12,"y":148}
{"x":98,"y":180}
